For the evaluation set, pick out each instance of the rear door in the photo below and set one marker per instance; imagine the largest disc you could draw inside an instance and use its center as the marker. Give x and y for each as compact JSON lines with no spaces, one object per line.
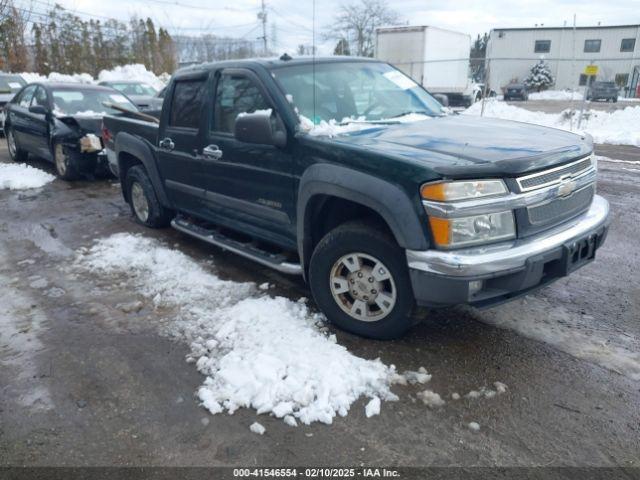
{"x":178,"y":158}
{"x":249,"y":183}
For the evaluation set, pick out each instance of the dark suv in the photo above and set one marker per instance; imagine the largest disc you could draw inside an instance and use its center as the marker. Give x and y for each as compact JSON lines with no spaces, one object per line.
{"x":516,"y":91}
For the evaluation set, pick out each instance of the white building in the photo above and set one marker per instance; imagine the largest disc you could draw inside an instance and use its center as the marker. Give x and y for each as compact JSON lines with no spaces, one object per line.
{"x":511,"y":53}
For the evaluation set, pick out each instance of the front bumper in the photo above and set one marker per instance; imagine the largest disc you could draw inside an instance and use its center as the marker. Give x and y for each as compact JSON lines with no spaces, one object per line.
{"x":484,"y":276}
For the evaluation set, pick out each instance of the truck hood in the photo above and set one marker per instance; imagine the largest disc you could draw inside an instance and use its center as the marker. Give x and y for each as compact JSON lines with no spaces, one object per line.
{"x":467,"y":146}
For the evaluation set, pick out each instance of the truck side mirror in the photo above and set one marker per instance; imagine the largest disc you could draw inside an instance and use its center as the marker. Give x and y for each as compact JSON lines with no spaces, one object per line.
{"x":257,"y":128}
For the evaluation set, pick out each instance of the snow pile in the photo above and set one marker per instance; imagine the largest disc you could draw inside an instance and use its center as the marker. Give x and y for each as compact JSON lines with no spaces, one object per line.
{"x":619,"y":127}
{"x":21,"y":176}
{"x":256,"y":351}
{"x":556,"y":95}
{"x":134,"y":72}
{"x":30,"y":77}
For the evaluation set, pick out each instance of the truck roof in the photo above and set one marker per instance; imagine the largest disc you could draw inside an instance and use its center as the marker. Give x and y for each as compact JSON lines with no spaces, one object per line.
{"x":271,"y":63}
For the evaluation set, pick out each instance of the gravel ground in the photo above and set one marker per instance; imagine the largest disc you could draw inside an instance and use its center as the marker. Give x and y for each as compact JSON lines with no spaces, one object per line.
{"x":84,"y":382}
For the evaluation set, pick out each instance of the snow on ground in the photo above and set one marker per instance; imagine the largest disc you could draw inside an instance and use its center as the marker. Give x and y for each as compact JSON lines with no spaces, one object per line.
{"x":132,"y":72}
{"x":578,"y":335}
{"x":19,"y":176}
{"x":619,"y":127}
{"x":556,"y":95}
{"x":255,"y":351}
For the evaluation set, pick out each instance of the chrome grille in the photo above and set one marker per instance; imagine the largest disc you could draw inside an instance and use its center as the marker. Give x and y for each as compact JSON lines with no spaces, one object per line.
{"x":561,"y":208}
{"x":554,"y":175}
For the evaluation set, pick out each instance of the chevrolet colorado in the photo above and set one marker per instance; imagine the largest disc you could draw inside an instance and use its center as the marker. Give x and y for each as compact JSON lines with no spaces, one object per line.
{"x":348,"y":172}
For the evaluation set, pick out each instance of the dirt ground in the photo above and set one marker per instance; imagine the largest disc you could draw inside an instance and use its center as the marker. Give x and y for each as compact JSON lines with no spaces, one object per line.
{"x":85,"y":383}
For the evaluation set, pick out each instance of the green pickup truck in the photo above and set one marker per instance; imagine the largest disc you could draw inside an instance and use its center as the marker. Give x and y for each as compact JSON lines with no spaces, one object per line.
{"x":349,"y":173}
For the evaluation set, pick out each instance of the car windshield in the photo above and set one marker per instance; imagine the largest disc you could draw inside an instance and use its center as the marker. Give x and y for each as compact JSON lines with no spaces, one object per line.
{"x":354,"y":91}
{"x":88,"y":102}
{"x":132,"y":88}
{"x":11,"y":83}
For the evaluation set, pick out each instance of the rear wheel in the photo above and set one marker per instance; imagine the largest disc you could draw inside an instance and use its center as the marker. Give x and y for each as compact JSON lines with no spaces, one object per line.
{"x":16,"y":153}
{"x":144,"y":203}
{"x":359,"y":278}
{"x":64,"y":168}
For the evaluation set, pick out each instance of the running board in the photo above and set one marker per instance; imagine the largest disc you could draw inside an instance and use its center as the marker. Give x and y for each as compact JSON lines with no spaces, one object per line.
{"x":248,"y":250}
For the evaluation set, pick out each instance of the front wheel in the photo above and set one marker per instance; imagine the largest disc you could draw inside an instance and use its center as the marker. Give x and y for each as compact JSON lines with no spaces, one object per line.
{"x":144,"y":203}
{"x":15,"y":152}
{"x":359,"y":278}
{"x":64,"y":167}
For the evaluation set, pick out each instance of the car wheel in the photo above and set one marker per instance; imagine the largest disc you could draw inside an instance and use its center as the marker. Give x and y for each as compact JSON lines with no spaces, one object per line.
{"x":15,"y":152}
{"x":64,"y":168}
{"x":614,"y":99}
{"x":359,"y":278}
{"x":142,"y":199}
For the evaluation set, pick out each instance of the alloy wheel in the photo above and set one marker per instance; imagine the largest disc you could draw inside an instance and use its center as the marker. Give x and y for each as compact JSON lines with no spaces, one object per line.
{"x":139,"y":201}
{"x":363,"y":287}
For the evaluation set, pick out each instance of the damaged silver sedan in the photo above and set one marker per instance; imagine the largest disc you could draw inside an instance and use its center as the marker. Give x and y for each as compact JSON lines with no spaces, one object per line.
{"x":61,"y":122}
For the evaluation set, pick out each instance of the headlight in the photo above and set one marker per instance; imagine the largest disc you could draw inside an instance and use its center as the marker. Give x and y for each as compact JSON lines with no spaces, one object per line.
{"x":473,"y":230}
{"x":462,"y":190}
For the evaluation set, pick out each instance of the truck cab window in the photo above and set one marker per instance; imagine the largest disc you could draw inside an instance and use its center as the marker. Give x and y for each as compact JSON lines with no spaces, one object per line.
{"x":235,"y":94}
{"x":186,"y":105}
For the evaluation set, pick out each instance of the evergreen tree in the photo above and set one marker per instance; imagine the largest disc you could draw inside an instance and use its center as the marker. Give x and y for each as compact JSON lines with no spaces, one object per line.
{"x":41,"y":55}
{"x":167,"y":51}
{"x":342,"y":47}
{"x":540,"y":77}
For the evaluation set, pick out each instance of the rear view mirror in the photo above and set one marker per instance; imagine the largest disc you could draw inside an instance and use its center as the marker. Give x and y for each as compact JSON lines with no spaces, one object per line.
{"x":37,"y":109}
{"x":257,"y":128}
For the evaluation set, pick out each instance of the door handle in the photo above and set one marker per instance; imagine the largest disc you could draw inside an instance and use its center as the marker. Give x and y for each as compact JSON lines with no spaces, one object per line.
{"x":167,"y":144}
{"x":212,"y":152}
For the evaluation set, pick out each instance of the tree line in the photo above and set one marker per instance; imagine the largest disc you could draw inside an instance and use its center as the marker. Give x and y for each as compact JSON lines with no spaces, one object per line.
{"x":59,"y":41}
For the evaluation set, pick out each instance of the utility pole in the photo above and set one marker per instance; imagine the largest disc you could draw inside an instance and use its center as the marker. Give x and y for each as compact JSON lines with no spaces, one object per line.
{"x":262,"y":16}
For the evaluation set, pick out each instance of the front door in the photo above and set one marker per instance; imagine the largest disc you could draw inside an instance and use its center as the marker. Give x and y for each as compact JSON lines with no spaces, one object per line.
{"x":39,"y":125}
{"x":178,"y":159}
{"x":248,"y":183}
{"x":19,"y":118}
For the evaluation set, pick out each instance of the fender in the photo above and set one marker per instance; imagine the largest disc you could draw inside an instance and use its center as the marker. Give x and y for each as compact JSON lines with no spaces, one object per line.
{"x":127,"y":143}
{"x":388,"y":200}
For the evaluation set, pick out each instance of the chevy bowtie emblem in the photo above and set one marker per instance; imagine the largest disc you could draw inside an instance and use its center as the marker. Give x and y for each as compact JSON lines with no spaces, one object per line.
{"x":567,"y":186}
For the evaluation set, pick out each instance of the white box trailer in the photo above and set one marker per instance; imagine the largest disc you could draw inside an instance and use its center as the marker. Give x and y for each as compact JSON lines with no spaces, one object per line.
{"x":436,"y":58}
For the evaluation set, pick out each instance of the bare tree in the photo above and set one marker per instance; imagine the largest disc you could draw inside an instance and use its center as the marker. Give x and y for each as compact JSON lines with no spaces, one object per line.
{"x":356,"y":24}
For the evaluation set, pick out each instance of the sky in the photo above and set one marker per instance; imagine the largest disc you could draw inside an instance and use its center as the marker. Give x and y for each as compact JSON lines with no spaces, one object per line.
{"x":293,"y":18}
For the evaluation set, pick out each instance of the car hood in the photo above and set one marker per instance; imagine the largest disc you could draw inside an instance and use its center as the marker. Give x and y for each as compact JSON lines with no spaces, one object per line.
{"x":466,"y":146}
{"x":78,"y":126}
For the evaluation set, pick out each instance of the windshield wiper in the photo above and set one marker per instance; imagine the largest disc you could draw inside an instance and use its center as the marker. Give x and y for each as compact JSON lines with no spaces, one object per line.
{"x":417,"y":112}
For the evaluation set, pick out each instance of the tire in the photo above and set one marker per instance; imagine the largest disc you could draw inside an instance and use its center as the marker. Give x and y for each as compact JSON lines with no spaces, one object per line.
{"x":142,"y":199}
{"x":15,"y":152}
{"x":379,"y":304}
{"x":614,"y":100}
{"x":64,"y":168}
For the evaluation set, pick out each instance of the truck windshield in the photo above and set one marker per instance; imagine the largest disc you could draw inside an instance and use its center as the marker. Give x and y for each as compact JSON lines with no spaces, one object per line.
{"x":346,"y":91}
{"x":88,"y":102}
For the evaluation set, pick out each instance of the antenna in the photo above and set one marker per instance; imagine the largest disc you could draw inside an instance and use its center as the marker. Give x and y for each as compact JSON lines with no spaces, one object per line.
{"x":313,"y":53}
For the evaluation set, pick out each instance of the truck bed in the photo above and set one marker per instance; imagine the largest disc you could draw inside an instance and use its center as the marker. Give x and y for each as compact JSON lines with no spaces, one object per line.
{"x":133,"y":126}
